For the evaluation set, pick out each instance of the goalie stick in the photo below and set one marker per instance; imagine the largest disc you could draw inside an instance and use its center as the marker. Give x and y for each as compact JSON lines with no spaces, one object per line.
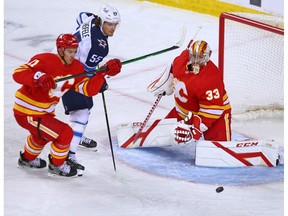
{"x":147,"y":118}
{"x":195,"y":35}
{"x":176,"y":46}
{"x":160,"y":96}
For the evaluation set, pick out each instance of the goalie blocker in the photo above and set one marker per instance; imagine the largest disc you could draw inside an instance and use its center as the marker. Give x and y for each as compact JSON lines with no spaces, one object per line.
{"x":159,"y":133}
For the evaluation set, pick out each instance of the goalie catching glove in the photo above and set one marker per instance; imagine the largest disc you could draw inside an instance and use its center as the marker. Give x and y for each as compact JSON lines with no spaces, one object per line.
{"x":189,"y":129}
{"x":163,"y":84}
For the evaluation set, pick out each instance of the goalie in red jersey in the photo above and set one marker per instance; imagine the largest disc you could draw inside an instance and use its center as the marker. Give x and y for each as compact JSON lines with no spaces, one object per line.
{"x":201,"y":103}
{"x":35,"y":102}
{"x":202,"y":110}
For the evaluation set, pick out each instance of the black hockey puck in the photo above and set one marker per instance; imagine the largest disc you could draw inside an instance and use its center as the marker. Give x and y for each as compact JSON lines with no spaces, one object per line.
{"x":219,"y":189}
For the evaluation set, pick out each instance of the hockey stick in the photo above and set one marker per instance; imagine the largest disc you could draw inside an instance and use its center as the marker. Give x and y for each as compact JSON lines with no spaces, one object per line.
{"x":195,"y":35}
{"x":147,"y":118}
{"x":108,"y":129}
{"x":176,"y":46}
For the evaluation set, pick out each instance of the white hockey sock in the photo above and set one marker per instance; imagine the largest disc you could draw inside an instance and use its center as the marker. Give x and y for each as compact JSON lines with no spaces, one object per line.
{"x":78,"y":122}
{"x":78,"y":130}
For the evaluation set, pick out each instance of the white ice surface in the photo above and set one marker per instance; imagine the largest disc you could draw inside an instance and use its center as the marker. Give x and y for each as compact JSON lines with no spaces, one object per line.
{"x":31,"y":27}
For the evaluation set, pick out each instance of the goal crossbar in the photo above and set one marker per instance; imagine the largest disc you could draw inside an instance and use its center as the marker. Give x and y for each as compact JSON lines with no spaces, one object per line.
{"x":242,"y":20}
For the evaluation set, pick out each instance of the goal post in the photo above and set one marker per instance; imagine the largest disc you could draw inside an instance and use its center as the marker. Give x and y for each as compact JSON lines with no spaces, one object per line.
{"x":251,"y":58}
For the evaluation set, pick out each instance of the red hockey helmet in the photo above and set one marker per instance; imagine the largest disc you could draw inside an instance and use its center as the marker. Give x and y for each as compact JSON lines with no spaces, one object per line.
{"x":66,"y":41}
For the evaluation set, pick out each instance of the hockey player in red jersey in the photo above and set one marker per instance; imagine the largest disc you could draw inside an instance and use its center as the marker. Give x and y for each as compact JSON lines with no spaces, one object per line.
{"x":35,"y":102}
{"x":201,"y":103}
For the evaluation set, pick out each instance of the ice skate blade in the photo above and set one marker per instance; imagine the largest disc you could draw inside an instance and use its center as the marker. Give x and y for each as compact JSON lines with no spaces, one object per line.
{"x":53,"y":175}
{"x":88,"y":149}
{"x":28,"y":167}
{"x":80,"y":172}
{"x":21,"y":167}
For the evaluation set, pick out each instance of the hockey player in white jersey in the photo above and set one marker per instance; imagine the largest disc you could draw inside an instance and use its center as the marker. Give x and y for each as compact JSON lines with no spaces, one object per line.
{"x":92,"y":33}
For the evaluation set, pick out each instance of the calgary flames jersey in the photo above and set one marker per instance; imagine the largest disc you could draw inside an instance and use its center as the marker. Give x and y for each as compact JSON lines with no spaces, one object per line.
{"x":204,"y":93}
{"x":36,"y":101}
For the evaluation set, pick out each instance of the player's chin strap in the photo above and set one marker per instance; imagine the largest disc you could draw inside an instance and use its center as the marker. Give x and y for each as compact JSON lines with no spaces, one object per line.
{"x":62,"y":57}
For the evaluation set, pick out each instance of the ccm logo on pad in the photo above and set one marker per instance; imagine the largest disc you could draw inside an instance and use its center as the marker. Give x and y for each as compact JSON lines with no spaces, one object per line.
{"x":137,"y":124}
{"x":247,"y":144}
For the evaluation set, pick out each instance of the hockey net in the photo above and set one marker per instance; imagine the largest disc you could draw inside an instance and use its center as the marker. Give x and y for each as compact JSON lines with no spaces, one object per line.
{"x":251,"y":57}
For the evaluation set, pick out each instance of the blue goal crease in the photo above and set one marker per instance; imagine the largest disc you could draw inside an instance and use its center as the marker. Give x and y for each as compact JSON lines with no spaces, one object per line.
{"x":179,"y":163}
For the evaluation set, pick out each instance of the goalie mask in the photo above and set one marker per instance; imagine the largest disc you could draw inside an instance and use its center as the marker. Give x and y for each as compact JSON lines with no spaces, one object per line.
{"x":109,"y":14}
{"x":200,"y":53}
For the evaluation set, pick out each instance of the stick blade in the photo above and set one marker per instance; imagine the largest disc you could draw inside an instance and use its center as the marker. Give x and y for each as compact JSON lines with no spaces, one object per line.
{"x":181,"y":37}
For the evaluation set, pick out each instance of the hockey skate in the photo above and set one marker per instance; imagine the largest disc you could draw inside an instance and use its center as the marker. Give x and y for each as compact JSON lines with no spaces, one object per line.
{"x":37,"y":163}
{"x":280,"y":159}
{"x":88,"y":143}
{"x":63,"y":170}
{"x":72,"y":161}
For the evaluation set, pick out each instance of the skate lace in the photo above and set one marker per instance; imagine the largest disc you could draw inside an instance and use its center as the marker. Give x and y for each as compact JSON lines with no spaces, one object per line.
{"x":72,"y":158}
{"x":64,"y":168}
{"x":86,"y":140}
{"x":35,"y":163}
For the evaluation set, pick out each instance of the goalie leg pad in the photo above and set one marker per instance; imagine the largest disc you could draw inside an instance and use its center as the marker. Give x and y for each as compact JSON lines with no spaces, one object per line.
{"x":156,"y":133}
{"x":236,"y":153}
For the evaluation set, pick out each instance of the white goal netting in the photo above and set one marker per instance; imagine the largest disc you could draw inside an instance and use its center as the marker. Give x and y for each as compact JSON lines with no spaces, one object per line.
{"x":253,"y":63}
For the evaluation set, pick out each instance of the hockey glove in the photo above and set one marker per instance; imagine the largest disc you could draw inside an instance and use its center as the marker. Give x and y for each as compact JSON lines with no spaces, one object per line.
{"x":184,"y":132}
{"x":44,"y":81}
{"x":113,"y":67}
{"x":163,"y":84}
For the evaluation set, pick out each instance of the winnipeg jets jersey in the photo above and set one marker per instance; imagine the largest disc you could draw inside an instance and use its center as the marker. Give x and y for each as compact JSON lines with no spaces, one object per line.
{"x":93,"y":44}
